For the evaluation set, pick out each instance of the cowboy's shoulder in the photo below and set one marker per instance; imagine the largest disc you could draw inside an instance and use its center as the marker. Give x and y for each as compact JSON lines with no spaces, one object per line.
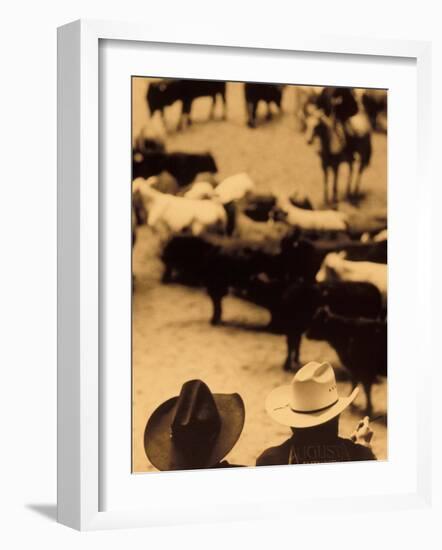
{"x":274,"y":456}
{"x":357,"y":451}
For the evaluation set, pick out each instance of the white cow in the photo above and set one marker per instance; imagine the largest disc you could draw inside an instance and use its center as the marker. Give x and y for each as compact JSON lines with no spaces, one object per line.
{"x":200,"y":190}
{"x":178,"y":214}
{"x":234,"y":188}
{"x":313,"y":220}
{"x":336,"y":267}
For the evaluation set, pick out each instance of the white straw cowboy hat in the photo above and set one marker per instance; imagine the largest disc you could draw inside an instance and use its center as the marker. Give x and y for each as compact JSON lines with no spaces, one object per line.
{"x":310,"y":400}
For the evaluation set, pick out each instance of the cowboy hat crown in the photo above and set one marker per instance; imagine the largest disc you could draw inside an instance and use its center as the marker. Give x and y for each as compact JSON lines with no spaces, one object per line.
{"x":310,"y":400}
{"x":313,"y":388}
{"x":194,"y":429}
{"x":196,"y":417}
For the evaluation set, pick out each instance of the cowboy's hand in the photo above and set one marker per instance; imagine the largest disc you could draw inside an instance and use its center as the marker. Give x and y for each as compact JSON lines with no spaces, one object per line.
{"x":363,"y":433}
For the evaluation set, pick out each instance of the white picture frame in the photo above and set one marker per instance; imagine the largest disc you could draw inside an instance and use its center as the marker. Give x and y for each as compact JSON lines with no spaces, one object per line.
{"x":79,"y":265}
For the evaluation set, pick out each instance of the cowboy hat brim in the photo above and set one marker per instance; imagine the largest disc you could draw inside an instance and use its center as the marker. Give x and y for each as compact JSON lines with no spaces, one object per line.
{"x":278,"y":407}
{"x":164,"y":454}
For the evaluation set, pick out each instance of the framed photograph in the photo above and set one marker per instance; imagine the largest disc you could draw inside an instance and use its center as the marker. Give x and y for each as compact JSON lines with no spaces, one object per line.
{"x":232,"y":220}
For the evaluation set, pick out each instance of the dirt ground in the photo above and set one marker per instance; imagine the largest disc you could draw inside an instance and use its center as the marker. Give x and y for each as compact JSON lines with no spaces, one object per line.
{"x":172,"y":339}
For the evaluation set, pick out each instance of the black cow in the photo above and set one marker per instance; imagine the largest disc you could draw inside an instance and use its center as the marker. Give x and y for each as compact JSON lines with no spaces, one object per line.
{"x":254,"y":93}
{"x":284,"y":259}
{"x":165,"y":93}
{"x":361,"y":345}
{"x":276,"y":275}
{"x":292,"y":306}
{"x":302,"y":258}
{"x":218,"y":263}
{"x":183,"y":166}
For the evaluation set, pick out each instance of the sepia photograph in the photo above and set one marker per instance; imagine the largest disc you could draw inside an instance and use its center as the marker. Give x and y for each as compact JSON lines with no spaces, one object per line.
{"x":259,"y":274}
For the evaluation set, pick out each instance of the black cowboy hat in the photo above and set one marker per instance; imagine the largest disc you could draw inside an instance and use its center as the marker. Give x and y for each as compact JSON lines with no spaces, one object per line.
{"x":195,"y":429}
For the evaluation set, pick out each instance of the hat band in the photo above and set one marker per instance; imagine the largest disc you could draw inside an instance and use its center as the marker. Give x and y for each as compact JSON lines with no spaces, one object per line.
{"x":315,"y":410}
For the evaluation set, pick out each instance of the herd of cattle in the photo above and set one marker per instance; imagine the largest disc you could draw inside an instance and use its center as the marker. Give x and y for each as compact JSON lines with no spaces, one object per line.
{"x":318,"y":272}
{"x":341,"y":120}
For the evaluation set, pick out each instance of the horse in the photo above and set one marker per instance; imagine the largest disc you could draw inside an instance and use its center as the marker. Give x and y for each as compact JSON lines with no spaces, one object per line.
{"x":340,"y":142}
